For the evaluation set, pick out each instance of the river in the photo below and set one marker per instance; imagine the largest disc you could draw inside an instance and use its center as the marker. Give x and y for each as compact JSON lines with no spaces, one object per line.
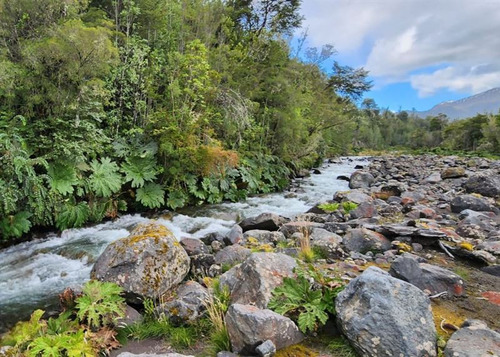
{"x":33,"y":273}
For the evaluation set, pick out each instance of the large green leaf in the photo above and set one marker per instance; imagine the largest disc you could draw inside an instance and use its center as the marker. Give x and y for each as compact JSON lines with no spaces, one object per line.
{"x":139,"y":170}
{"x":15,"y":225}
{"x":62,"y":178}
{"x":151,"y":195}
{"x":72,"y":216}
{"x":105,"y":178}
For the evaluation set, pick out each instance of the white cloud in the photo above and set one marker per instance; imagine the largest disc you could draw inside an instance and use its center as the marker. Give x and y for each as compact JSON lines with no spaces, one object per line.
{"x":397,"y":39}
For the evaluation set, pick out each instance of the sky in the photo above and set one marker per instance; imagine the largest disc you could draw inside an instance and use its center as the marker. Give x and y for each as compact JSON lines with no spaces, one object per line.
{"x":418,"y":52}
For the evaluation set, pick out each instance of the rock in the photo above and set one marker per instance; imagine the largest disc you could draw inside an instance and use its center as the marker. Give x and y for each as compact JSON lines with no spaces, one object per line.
{"x":385,"y":316}
{"x":253,"y":281}
{"x":248,"y":326}
{"x":327,"y":241}
{"x":235,"y":236}
{"x":146,"y":264}
{"x":474,"y":339}
{"x":433,"y":178}
{"x":201,"y":263}
{"x":361,"y":179}
{"x":429,"y":278}
{"x":453,"y":172}
{"x":131,"y":317}
{"x":463,"y":202}
{"x":264,"y":221}
{"x":364,"y":210}
{"x":266,"y":349}
{"x":187,"y":303}
{"x":363,"y":240}
{"x":356,"y":196}
{"x":288,"y":229}
{"x":493,"y":270}
{"x":264,"y":236}
{"x":491,"y":246}
{"x":486,"y":185}
{"x":234,"y":254}
{"x":194,"y":246}
{"x":212,"y":237}
{"x":343,"y":178}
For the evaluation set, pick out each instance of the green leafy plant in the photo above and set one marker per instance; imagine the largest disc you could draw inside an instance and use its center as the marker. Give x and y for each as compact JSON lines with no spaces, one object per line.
{"x":308,"y":303}
{"x":139,"y":170}
{"x":105,"y":178}
{"x":62,"y":177}
{"x":348,"y":206}
{"x":15,"y":225}
{"x":329,"y":207}
{"x":100,"y":304}
{"x":151,"y":195}
{"x":72,"y":215}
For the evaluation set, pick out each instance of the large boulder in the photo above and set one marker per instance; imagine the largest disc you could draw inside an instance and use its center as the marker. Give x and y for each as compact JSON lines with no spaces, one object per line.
{"x":474,"y":339}
{"x":385,"y":316}
{"x":486,"y":185}
{"x":264,"y":221}
{"x":361,"y":179}
{"x":232,"y":255}
{"x":463,"y":202}
{"x":253,"y":281}
{"x":429,"y":278}
{"x":363,"y":240}
{"x":146,"y":264}
{"x":249,"y":326}
{"x":186,"y":304}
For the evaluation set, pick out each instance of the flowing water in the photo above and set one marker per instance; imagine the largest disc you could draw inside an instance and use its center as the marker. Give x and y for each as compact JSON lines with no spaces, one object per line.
{"x":32,"y":274}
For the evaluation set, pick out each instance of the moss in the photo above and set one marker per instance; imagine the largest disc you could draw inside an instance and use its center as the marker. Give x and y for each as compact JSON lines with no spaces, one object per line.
{"x":147,"y":231}
{"x":445,"y":315}
{"x":296,"y":351}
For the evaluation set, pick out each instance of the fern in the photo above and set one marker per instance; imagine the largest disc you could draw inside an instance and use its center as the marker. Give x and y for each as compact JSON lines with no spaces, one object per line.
{"x":62,"y":178}
{"x":15,"y":225}
{"x":310,"y":307}
{"x":349,"y":206}
{"x":100,"y":304}
{"x":105,"y":178}
{"x":151,"y":195}
{"x":73,"y":215}
{"x":139,"y":170}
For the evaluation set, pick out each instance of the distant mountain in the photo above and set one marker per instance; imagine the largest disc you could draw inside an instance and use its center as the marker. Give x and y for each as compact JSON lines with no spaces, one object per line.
{"x":485,"y":102}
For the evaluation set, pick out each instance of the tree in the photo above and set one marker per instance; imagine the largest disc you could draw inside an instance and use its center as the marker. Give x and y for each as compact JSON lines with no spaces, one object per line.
{"x":349,"y":83}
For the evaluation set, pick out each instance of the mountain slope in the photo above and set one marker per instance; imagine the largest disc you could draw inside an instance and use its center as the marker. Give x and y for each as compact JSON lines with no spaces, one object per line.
{"x":485,"y":102}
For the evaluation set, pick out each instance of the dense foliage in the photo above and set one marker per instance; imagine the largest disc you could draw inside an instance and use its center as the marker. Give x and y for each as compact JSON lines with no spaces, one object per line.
{"x":117,"y":105}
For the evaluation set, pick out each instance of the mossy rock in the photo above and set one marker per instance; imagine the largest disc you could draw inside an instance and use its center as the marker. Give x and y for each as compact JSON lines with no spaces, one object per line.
{"x":146,"y":264}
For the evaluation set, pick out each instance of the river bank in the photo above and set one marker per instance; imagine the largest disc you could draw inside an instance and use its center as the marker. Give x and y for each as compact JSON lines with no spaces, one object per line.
{"x":431,"y":222}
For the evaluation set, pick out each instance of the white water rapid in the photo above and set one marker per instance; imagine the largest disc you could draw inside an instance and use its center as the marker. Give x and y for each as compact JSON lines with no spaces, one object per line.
{"x":32,"y":274}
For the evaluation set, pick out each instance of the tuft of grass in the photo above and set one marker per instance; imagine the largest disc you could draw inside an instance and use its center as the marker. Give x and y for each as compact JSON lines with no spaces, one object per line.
{"x":306,"y":254}
{"x":217,"y":304}
{"x":340,"y":347}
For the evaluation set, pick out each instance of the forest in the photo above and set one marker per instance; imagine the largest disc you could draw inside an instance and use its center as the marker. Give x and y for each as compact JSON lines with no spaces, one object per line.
{"x":110,"y":106}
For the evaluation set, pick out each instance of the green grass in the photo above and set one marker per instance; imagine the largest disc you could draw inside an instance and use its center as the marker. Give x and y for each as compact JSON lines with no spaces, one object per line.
{"x":340,"y":347}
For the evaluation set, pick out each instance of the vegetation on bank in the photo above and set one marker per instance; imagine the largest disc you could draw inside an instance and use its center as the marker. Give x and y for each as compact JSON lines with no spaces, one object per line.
{"x":110,"y":106}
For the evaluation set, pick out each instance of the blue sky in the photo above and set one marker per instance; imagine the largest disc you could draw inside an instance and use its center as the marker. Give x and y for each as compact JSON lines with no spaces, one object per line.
{"x":419,"y":52}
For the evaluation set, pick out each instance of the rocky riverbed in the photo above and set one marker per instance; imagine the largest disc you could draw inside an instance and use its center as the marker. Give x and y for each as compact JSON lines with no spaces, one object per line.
{"x":415,"y":242}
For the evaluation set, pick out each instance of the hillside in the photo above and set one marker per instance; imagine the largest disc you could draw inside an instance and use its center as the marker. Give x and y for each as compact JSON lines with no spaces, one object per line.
{"x":485,"y":102}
